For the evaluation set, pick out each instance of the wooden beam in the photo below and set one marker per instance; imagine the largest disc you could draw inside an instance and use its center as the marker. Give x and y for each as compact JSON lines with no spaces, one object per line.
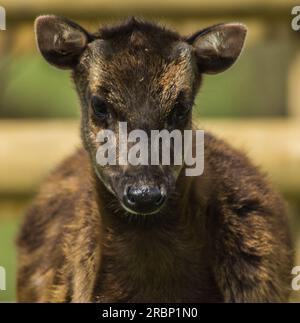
{"x":95,"y":10}
{"x":30,"y":149}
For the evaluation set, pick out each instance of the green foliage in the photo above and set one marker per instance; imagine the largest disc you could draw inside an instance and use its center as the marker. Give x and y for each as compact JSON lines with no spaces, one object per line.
{"x":8,"y":230}
{"x":35,"y":89}
{"x":254,"y":87}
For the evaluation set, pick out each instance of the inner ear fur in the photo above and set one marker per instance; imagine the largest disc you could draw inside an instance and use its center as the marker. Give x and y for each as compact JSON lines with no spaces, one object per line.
{"x":218,"y":47}
{"x":60,"y":41}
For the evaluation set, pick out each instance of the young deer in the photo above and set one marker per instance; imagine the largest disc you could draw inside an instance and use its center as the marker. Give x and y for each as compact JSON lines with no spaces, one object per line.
{"x":150,"y":233}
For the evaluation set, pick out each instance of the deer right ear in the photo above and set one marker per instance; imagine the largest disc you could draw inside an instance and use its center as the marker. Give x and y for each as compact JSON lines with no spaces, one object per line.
{"x":218,"y":47}
{"x":60,"y":41}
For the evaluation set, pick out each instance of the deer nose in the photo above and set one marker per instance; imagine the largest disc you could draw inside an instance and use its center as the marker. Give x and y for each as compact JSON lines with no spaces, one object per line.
{"x":144,"y":198}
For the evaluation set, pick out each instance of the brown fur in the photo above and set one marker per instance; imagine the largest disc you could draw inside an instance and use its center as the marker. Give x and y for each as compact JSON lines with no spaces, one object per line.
{"x":220,"y":237}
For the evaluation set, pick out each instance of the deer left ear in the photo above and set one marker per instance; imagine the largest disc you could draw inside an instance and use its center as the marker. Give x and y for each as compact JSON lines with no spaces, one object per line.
{"x":218,"y":47}
{"x":60,"y":41}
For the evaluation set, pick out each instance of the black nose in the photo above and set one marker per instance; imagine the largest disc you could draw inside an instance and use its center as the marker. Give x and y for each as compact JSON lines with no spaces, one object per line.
{"x":144,"y":198}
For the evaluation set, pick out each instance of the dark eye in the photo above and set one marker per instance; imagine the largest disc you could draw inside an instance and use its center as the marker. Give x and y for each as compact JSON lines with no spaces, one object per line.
{"x":180,"y":112}
{"x":100,"y":108}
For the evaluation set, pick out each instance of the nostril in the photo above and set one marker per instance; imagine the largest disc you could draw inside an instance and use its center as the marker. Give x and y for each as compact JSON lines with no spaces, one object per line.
{"x":162,"y":196}
{"x":129,"y":196}
{"x":160,"y":200}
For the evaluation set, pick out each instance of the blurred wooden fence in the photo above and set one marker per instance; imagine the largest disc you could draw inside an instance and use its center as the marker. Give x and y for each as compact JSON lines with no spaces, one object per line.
{"x":21,"y":11}
{"x":30,"y":149}
{"x":25,"y":10}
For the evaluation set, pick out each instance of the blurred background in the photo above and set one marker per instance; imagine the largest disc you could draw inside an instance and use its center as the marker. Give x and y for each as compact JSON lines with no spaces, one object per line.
{"x":255,"y":105}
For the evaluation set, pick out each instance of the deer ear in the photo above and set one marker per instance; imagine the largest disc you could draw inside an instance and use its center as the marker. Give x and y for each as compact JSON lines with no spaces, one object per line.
{"x":60,"y":41}
{"x":218,"y":47}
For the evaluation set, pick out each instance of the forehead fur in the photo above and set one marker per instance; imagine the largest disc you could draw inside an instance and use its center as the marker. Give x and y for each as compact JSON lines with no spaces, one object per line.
{"x":136,"y":31}
{"x":138,"y":65}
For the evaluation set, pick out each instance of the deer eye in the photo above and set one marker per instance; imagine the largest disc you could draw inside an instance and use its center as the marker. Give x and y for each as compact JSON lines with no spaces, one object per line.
{"x":100,"y":108}
{"x":180,"y":112}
